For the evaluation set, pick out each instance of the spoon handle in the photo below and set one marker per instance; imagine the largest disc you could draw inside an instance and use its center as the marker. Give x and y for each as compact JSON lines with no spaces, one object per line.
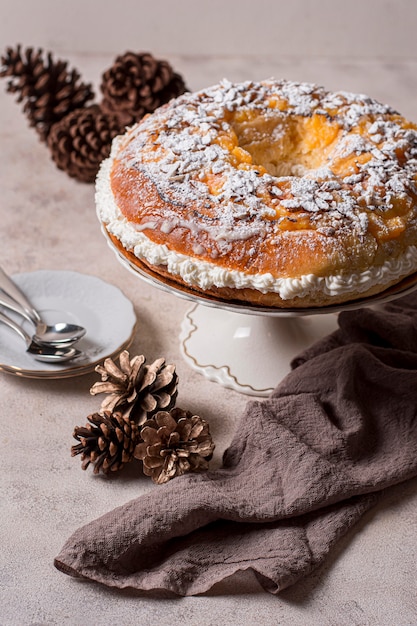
{"x":11,"y":289}
{"x":11,"y":324}
{"x":10,"y":303}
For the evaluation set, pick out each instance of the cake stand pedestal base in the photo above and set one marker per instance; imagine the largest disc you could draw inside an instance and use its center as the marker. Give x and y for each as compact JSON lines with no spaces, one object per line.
{"x":248,"y":353}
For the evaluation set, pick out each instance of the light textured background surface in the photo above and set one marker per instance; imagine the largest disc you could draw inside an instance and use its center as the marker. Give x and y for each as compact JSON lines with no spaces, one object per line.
{"x":48,"y":221}
{"x":357,"y":28}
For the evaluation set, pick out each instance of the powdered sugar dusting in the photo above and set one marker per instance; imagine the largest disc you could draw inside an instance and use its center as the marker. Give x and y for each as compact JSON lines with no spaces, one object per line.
{"x":204,"y":152}
{"x":185,"y":151}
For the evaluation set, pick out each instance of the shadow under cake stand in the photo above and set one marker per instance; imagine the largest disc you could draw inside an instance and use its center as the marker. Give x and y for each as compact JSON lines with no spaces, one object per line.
{"x":250,"y":348}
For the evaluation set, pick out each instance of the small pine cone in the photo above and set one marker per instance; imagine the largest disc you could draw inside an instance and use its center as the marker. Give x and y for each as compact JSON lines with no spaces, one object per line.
{"x":48,"y":89}
{"x":108,"y":442}
{"x":158,"y":391}
{"x":174,"y":443}
{"x":137,"y":84}
{"x":81,"y":140}
{"x":137,"y":390}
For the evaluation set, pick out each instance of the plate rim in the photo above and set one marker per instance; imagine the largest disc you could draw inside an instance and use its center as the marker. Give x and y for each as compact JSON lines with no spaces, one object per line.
{"x":72,"y":370}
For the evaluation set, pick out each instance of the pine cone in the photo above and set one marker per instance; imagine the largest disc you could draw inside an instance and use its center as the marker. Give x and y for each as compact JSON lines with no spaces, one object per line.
{"x":137,"y":84}
{"x":174,"y":443}
{"x":137,"y":390}
{"x":108,"y":442}
{"x":49,"y":90}
{"x":81,"y":140}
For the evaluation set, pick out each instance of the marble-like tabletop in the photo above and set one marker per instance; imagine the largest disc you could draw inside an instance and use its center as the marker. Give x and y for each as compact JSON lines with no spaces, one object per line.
{"x":48,"y":221}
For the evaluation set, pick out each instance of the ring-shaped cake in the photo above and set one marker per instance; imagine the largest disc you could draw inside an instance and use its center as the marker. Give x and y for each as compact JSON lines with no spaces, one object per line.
{"x":274,"y":193}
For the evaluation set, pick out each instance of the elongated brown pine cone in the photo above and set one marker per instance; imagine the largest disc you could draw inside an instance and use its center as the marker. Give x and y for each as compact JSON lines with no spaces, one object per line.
{"x":47,"y":87}
{"x":137,"y":84}
{"x":81,"y":140}
{"x":107,"y":442}
{"x":174,"y":443}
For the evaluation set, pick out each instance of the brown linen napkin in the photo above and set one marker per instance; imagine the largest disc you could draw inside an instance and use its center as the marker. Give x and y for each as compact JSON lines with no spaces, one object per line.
{"x":304,"y":466}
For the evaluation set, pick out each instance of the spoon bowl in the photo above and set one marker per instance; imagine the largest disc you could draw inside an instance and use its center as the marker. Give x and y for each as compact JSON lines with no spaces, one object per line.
{"x":60,"y":334}
{"x":45,"y":353}
{"x":52,"y":354}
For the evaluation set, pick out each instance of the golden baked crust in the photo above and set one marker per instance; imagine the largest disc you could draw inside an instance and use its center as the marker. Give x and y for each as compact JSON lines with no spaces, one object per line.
{"x":274,"y":193}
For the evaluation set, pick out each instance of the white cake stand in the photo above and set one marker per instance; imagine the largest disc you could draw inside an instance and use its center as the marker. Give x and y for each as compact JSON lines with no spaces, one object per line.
{"x":248,"y":348}
{"x":246,"y":352}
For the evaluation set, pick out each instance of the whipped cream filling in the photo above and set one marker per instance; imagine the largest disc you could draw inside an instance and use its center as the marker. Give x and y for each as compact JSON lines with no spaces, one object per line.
{"x":204,"y":275}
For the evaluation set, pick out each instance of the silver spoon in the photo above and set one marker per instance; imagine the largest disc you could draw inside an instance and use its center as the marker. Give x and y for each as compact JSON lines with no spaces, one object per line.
{"x":47,"y":354}
{"x":56,"y":334}
{"x":60,"y":334}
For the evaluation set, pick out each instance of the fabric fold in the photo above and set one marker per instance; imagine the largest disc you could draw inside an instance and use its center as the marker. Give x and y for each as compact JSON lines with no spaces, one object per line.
{"x":303,"y":468}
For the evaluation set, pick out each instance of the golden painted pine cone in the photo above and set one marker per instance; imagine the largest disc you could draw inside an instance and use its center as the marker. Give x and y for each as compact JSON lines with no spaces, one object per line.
{"x":174,"y":443}
{"x":136,"y":389}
